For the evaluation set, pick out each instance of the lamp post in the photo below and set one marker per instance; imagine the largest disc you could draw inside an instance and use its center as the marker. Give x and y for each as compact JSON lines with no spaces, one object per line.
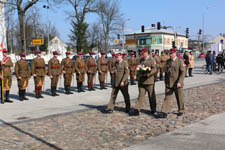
{"x":123,"y":36}
{"x":47,"y":8}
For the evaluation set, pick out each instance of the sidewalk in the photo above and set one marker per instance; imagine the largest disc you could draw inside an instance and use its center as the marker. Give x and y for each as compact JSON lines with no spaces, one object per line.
{"x":208,"y":134}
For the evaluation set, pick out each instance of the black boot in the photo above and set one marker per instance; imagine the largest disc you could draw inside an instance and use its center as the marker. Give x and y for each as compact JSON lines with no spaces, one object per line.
{"x":104,"y":86}
{"x":81,"y":87}
{"x":78,"y":87}
{"x":161,"y":77}
{"x":68,"y":86}
{"x":7,"y":97}
{"x":134,"y":112}
{"x":24,"y":95}
{"x":66,"y":89}
{"x":20,"y":95}
{"x":53,"y":91}
{"x":101,"y":86}
{"x":55,"y":88}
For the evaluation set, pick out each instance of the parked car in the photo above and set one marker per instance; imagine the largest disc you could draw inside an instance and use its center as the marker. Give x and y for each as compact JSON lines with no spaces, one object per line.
{"x":202,"y":55}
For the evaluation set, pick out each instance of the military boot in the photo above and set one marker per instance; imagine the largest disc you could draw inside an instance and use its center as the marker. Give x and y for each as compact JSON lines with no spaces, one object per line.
{"x":81,"y":87}
{"x":20,"y":95}
{"x":37,"y":92}
{"x":40,"y":90}
{"x":161,"y":77}
{"x":55,"y":89}
{"x":78,"y":87}
{"x":24,"y":95}
{"x":7,"y":97}
{"x":68,"y":86}
{"x":66,"y":89}
{"x":52,"y":91}
{"x":103,"y":84}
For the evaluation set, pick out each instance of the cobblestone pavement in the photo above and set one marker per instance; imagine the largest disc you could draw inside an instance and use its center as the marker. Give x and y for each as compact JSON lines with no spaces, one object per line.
{"x":91,"y":129}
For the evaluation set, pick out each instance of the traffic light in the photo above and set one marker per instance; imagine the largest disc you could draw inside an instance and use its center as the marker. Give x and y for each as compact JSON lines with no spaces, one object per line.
{"x":187,"y":32}
{"x":118,"y":36}
{"x":173,"y":44}
{"x":200,"y":31}
{"x":142,"y":28}
{"x":158,"y":25}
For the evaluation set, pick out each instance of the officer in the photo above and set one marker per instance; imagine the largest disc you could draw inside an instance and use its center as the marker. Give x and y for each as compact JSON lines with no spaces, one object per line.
{"x":111,"y":63}
{"x":174,"y":78}
{"x":102,"y":70}
{"x":80,"y":68}
{"x":124,"y":56}
{"x":38,"y":71}
{"x":146,"y":84}
{"x":157,"y":60}
{"x":121,"y":83}
{"x":163,"y":59}
{"x":132,"y":67}
{"x":23,"y":74}
{"x":91,"y":70}
{"x":68,"y":72}
{"x":6,"y":65}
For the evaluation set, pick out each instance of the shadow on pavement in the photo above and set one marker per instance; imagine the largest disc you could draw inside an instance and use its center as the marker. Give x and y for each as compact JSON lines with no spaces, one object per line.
{"x":31,"y":135}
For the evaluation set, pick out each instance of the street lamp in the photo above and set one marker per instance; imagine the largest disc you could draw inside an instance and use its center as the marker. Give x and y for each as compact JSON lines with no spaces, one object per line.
{"x":47,"y":8}
{"x":123,"y":36}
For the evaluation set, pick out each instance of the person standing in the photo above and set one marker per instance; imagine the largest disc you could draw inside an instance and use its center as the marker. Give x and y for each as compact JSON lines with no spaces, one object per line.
{"x":124,"y":56}
{"x":68,"y":70}
{"x":191,"y":64}
{"x":120,"y":84}
{"x":163,"y":59}
{"x":132,"y":67}
{"x":102,"y":70}
{"x":157,"y":60}
{"x":91,"y":70}
{"x":38,"y":71}
{"x":23,"y":74}
{"x":80,"y":68}
{"x":209,"y":62}
{"x":6,"y":65}
{"x":146,"y":83}
{"x":186,"y":62}
{"x":174,"y":78}
{"x":111,"y":63}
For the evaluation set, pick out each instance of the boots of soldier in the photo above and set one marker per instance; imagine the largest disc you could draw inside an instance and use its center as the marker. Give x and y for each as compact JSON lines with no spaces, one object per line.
{"x":103,"y":84}
{"x":39,"y":91}
{"x":20,"y":95}
{"x":52,"y":91}
{"x":81,"y":87}
{"x":55,"y":89}
{"x":89,"y":86}
{"x":92,"y":87}
{"x":68,"y":87}
{"x":24,"y":95}
{"x":7,"y":97}
{"x":2,"y":101}
{"x":78,"y":87}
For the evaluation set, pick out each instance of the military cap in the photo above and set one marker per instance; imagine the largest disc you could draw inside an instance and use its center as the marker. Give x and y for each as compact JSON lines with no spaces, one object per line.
{"x":38,"y":52}
{"x":173,"y":50}
{"x":22,"y":55}
{"x":67,"y":53}
{"x":113,"y":54}
{"x":4,"y":51}
{"x":55,"y":53}
{"x":132,"y":53}
{"x":102,"y":53}
{"x":80,"y":53}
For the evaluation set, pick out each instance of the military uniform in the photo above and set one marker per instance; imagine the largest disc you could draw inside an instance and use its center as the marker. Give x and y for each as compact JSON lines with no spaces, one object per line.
{"x":68,"y":71}
{"x":163,"y":59}
{"x":7,"y":76}
{"x":38,"y":69}
{"x":121,"y":75}
{"x":102,"y":71}
{"x":132,"y":67}
{"x":157,"y":61}
{"x":91,"y":71}
{"x":111,"y":68}
{"x":54,"y":71}
{"x":80,"y":68}
{"x":23,"y":74}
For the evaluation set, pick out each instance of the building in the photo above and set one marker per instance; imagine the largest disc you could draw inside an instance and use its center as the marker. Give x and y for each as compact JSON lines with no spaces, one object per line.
{"x":2,"y":27}
{"x":155,"y":40}
{"x":219,"y":40}
{"x":56,"y":44}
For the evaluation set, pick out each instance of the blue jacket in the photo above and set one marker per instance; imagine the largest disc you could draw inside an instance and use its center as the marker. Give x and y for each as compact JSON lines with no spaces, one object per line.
{"x":209,"y":58}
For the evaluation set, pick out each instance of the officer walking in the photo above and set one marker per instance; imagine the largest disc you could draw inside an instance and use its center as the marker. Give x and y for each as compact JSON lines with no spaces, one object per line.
{"x":91,"y":70}
{"x":102,"y":70}
{"x":68,"y":72}
{"x":146,"y":83}
{"x":110,"y":67}
{"x":174,"y":78}
{"x":163,"y":59}
{"x":80,"y":68}
{"x":132,"y":67}
{"x":38,"y":71}
{"x":23,"y":74}
{"x":120,"y":84}
{"x":6,"y":65}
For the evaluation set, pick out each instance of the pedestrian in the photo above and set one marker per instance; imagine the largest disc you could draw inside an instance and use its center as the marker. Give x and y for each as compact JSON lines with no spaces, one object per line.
{"x":102,"y":70}
{"x":147,"y":70}
{"x":80,"y":68}
{"x":68,"y":70}
{"x":220,"y":61}
{"x":120,"y":84}
{"x":191,"y":63}
{"x":23,"y":74}
{"x":91,"y":70}
{"x":174,"y":78}
{"x":132,"y":62}
{"x":163,"y":59}
{"x":6,"y":76}
{"x":209,"y":62}
{"x":186,"y":62}
{"x":38,"y":71}
{"x":111,"y":63}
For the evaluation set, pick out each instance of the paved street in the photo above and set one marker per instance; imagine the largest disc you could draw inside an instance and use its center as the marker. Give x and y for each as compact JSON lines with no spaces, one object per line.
{"x":35,"y":108}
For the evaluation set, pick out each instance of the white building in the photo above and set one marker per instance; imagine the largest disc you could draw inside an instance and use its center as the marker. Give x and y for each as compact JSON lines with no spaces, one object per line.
{"x":218,"y":40}
{"x":2,"y":27}
{"x":56,"y":44}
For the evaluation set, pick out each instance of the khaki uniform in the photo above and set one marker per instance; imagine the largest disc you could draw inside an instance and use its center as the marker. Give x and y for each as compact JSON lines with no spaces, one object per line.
{"x":38,"y":68}
{"x":175,"y":73}
{"x":102,"y":71}
{"x":158,"y":62}
{"x":68,"y":70}
{"x":54,"y":70}
{"x":132,"y":67}
{"x":91,"y":71}
{"x":146,"y":84}
{"x":80,"y":68}
{"x":163,"y":59}
{"x":111,"y":63}
{"x":121,"y":75}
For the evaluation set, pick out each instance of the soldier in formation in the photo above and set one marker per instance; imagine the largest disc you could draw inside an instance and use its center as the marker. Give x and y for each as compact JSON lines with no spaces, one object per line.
{"x":91,"y":71}
{"x":102,"y":70}
{"x":157,"y":61}
{"x":132,"y":67}
{"x":111,"y":67}
{"x":163,"y":59}
{"x":80,"y":68}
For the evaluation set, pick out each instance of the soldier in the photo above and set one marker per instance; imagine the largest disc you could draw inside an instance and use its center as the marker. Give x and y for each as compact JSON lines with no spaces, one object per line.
{"x":6,"y":65}
{"x":38,"y":71}
{"x":68,"y":72}
{"x":163,"y":59}
{"x":157,"y":60}
{"x":132,"y":67}
{"x":124,"y":56}
{"x":91,"y":70}
{"x":111,"y":68}
{"x":23,"y":74}
{"x":54,"y":72}
{"x":102,"y":70}
{"x":146,"y":84}
{"x":174,"y":77}
{"x":121,"y":83}
{"x":80,"y":68}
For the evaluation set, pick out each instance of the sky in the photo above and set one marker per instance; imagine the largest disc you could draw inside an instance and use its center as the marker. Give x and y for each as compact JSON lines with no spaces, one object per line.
{"x":180,"y":14}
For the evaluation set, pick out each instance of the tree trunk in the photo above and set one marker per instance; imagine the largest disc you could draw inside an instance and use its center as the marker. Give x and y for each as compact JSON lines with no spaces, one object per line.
{"x":23,"y":46}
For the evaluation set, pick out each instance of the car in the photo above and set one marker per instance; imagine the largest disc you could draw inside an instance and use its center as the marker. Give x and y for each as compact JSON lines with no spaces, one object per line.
{"x":202,"y":55}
